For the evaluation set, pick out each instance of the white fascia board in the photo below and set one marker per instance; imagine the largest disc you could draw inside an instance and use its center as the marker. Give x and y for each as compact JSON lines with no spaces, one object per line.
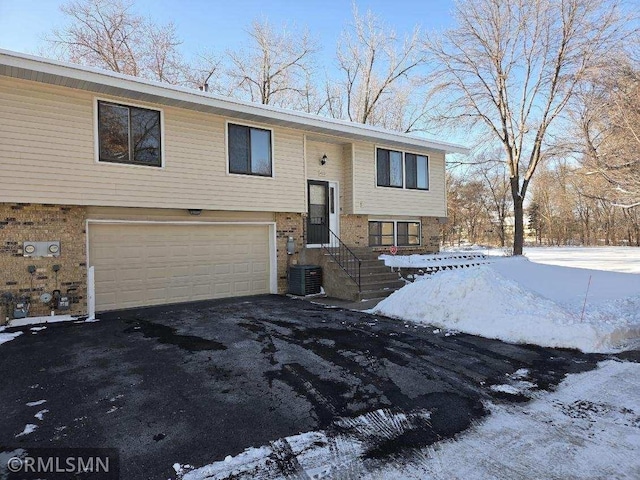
{"x":157,"y":91}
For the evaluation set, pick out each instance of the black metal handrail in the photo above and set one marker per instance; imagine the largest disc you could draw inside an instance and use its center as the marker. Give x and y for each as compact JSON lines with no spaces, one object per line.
{"x":344,"y":257}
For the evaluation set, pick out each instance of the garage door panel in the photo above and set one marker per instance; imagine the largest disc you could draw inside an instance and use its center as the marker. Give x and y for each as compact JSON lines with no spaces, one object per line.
{"x":200,"y":253}
{"x":157,"y":294}
{"x":222,"y":289}
{"x":242,"y":287}
{"x":156,"y":272}
{"x":105,"y":275}
{"x":129,"y":297}
{"x":223,"y":269}
{"x":144,"y":264}
{"x":158,"y":251}
{"x":201,"y":291}
{"x":240,"y":268}
{"x":258,"y":285}
{"x":201,"y":270}
{"x":258,"y":267}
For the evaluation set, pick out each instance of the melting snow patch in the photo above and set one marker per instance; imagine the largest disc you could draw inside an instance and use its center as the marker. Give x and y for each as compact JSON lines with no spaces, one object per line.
{"x":335,"y":453}
{"x":28,"y":428}
{"x":6,"y":337}
{"x":36,"y":403}
{"x":40,"y":414}
{"x":516,"y":385}
{"x":519,"y":388}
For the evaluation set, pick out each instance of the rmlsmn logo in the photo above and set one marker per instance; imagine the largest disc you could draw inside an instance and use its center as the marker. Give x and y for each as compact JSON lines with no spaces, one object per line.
{"x":59,"y":463}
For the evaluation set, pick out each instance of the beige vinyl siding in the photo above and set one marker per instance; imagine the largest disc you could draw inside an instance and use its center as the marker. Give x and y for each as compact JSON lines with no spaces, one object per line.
{"x":347,"y":185}
{"x":332,"y":171}
{"x":47,"y":155}
{"x":370,"y":199}
{"x":175,"y":215}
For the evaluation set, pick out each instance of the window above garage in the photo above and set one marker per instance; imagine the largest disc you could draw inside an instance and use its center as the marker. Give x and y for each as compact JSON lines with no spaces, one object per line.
{"x":128,"y":134}
{"x":250,"y":150}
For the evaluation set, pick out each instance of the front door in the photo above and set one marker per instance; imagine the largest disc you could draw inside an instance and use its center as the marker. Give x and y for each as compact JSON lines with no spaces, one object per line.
{"x":323,"y":211}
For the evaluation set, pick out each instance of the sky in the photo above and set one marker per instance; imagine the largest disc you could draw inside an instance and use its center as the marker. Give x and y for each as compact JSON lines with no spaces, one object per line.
{"x":219,"y":25}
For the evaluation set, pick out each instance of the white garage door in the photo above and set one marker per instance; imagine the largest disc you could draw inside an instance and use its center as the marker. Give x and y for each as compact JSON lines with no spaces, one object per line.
{"x":154,"y":264}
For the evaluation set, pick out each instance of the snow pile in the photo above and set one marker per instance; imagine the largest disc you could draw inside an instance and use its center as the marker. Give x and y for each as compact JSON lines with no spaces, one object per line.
{"x":518,"y":301}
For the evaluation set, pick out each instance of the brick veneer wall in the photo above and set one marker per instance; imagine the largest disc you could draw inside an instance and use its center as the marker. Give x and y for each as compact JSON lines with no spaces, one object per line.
{"x":288,"y":225}
{"x":34,"y":222}
{"x":354,"y":231}
{"x":430,"y":234}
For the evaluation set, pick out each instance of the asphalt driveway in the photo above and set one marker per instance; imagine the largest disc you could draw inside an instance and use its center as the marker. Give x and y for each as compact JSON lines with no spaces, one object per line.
{"x":194,"y":383}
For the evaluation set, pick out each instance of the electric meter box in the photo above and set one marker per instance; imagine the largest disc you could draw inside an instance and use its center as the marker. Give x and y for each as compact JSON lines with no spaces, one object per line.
{"x":41,"y":249}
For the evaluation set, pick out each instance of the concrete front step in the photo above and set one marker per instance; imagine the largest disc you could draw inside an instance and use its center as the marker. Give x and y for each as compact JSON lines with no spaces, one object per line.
{"x":376,"y":279}
{"x":379,"y":277}
{"x":368,"y":269}
{"x":369,"y":294}
{"x":382,"y":286}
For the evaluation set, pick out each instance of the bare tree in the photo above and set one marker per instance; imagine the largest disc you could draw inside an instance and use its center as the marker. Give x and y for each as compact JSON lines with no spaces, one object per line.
{"x":205,"y":72}
{"x":109,"y":35}
{"x":376,"y":68}
{"x":497,"y":196}
{"x":512,"y":66}
{"x":609,"y":122}
{"x":102,"y":33}
{"x":275,"y":67}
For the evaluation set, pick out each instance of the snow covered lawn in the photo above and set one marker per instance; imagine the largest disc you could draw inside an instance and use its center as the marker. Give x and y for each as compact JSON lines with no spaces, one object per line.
{"x":614,"y":259}
{"x":617,"y":259}
{"x":517,"y":300}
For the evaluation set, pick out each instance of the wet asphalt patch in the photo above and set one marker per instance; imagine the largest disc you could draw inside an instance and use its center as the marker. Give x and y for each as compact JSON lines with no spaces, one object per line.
{"x":169,"y":335}
{"x":196,"y":382}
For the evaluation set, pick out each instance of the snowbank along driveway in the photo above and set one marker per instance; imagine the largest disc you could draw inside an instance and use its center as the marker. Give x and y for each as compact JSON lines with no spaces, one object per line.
{"x":195,"y":383}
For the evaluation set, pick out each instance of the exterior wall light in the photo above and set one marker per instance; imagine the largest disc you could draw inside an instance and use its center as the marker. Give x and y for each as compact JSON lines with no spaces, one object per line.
{"x":323,"y":160}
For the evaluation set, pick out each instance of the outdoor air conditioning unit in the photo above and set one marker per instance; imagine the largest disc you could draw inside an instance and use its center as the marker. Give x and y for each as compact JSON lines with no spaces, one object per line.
{"x":305,"y":279}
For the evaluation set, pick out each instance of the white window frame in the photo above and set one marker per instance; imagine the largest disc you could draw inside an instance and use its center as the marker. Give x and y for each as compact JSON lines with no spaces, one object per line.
{"x":404,"y":168}
{"x":395,"y":232}
{"x":226,"y":148}
{"x":96,"y":133}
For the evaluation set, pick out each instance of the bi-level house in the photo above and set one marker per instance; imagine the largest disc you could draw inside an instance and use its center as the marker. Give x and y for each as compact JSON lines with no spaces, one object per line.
{"x":174,"y":195}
